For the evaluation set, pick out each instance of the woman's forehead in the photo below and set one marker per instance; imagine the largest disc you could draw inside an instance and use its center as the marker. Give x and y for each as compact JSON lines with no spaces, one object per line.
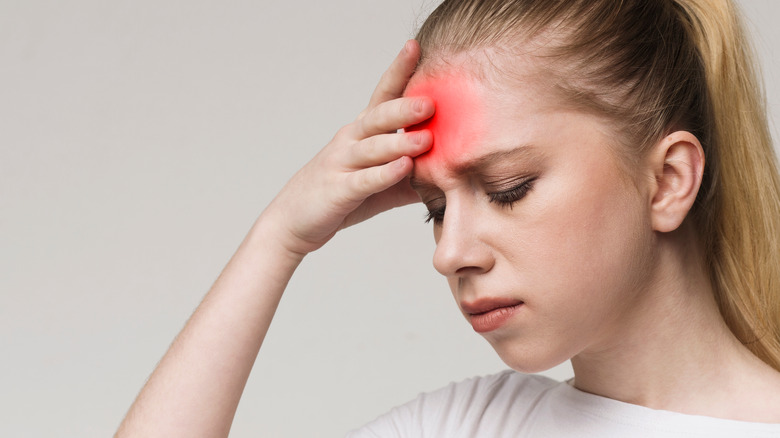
{"x":476,"y":114}
{"x":459,"y":119}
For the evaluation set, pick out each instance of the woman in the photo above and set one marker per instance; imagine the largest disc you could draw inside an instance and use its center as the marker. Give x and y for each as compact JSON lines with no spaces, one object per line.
{"x":602,"y":188}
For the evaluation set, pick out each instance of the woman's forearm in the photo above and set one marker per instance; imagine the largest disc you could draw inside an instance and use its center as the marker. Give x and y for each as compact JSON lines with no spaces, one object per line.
{"x":197,"y":386}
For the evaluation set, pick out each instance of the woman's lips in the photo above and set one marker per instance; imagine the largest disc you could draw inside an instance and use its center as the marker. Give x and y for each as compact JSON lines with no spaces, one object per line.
{"x":488,"y":314}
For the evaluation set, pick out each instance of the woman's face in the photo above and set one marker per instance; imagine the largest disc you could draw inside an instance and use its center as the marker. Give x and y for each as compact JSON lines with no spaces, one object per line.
{"x":542,"y":236}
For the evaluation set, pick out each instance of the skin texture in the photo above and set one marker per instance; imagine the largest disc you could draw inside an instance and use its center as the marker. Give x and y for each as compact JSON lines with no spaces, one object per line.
{"x":597,"y":251}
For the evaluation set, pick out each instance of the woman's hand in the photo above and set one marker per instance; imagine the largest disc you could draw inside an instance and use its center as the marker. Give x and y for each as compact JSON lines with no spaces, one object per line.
{"x":362,"y":171}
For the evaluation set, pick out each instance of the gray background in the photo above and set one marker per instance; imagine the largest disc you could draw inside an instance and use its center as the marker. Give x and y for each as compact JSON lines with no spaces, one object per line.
{"x":138,"y":142}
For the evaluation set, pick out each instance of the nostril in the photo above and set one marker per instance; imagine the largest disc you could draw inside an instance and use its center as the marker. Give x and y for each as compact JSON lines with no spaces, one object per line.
{"x":466,"y":270}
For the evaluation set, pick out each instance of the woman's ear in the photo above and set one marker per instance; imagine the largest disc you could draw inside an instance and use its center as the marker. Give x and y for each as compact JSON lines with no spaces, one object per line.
{"x":678,"y":165}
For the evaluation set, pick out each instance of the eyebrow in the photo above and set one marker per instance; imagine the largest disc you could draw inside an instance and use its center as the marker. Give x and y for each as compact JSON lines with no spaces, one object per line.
{"x":479,"y":164}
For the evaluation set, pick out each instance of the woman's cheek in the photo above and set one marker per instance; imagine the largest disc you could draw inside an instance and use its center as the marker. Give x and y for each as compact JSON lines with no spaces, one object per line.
{"x":568,"y":222}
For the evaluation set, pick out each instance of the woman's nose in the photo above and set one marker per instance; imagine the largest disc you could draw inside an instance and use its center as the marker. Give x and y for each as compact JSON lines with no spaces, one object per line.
{"x":461,"y":244}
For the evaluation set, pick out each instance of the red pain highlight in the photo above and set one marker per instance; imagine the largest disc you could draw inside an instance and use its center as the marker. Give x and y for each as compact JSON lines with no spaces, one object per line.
{"x":457,"y":125}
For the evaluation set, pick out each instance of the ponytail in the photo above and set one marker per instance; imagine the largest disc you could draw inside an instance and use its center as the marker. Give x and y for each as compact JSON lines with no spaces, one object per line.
{"x":739,"y":214}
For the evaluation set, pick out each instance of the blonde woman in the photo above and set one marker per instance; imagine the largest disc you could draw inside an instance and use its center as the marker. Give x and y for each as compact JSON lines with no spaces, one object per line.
{"x":602,"y":188}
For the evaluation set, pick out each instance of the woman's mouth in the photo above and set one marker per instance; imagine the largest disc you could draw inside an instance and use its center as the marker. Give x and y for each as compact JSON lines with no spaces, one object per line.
{"x":488,"y":314}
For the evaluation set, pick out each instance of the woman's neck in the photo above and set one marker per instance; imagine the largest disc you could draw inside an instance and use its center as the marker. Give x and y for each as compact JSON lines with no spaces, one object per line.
{"x":673,"y":351}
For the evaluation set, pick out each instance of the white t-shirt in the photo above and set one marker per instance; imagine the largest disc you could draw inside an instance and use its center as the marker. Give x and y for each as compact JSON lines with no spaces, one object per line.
{"x":511,"y":404}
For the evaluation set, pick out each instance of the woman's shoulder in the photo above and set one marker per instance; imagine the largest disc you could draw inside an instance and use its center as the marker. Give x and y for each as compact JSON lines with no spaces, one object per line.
{"x":483,"y":393}
{"x":484,"y":399}
{"x":478,"y":406}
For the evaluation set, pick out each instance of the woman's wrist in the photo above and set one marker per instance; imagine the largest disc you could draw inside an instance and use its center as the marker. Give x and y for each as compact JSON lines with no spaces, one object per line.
{"x":269,"y":236}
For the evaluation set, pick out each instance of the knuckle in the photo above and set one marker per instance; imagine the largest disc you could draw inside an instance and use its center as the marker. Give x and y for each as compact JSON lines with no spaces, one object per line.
{"x":369,"y":148}
{"x":365,"y":180}
{"x":410,"y":106}
{"x":402,"y":110}
{"x":386,"y":77}
{"x":367,"y":124}
{"x":382,"y":80}
{"x":344,"y":132}
{"x":354,"y":184}
{"x":368,"y":181}
{"x":400,"y":143}
{"x":382,"y":89}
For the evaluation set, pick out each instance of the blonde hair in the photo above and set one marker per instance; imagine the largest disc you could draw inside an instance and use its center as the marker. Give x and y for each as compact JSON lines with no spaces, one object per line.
{"x":653,"y":67}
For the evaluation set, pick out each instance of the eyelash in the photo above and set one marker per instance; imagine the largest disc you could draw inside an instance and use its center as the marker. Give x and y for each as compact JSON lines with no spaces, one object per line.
{"x":506,"y":198}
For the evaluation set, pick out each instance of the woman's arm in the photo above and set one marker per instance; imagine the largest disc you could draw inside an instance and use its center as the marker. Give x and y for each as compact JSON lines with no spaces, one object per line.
{"x":195,"y":389}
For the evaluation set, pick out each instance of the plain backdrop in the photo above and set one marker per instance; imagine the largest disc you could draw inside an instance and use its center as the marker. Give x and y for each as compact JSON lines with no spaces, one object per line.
{"x":140,"y":139}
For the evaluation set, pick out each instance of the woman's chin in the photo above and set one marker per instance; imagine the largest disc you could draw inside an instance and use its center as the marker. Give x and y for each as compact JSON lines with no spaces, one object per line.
{"x":529,"y":360}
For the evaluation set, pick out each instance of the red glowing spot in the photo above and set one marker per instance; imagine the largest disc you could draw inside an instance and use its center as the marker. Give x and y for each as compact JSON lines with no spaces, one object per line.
{"x":457,"y":124}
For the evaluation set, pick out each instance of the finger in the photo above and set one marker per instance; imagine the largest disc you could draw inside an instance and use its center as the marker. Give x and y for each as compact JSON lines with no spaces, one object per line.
{"x":396,"y":196}
{"x":364,"y":183}
{"x":401,"y":194}
{"x":384,"y":148}
{"x":394,"y":115}
{"x":393,"y":81}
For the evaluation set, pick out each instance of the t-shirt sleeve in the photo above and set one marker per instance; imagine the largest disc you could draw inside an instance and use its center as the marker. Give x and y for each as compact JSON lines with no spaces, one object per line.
{"x":423,"y":416}
{"x":450,"y":411}
{"x":400,"y":421}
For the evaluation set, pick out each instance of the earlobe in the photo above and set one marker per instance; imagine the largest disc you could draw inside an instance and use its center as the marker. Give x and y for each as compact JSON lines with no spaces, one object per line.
{"x":678,"y":166}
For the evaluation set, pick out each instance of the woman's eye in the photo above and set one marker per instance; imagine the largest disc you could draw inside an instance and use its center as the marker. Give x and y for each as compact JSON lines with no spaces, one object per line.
{"x":436,"y":209}
{"x":504,"y":198}
{"x":436,"y":215}
{"x":507,"y":198}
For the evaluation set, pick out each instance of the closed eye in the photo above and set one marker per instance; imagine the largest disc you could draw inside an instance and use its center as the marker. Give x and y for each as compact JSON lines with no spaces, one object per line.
{"x":435,"y":214}
{"x":504,"y":198}
{"x":507,"y":198}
